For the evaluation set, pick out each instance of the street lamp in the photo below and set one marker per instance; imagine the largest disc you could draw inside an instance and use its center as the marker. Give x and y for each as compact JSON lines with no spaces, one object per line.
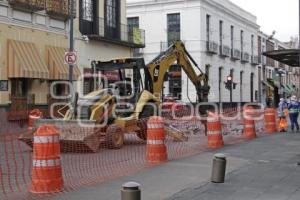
{"x":228,"y":85}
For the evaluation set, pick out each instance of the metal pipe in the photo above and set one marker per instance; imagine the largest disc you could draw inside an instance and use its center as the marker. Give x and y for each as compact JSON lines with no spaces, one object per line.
{"x":71,"y":37}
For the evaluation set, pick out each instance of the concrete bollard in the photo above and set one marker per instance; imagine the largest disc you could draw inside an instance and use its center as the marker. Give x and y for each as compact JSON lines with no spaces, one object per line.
{"x":218,"y":168}
{"x":131,"y":191}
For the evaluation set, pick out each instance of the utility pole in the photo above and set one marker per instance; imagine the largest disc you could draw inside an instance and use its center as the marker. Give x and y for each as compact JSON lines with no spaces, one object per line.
{"x":71,"y":35}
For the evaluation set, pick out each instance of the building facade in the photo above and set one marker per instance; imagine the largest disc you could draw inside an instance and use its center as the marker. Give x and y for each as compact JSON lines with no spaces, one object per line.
{"x":220,"y":36}
{"x":102,"y":33}
{"x":276,"y":79}
{"x":34,"y":39}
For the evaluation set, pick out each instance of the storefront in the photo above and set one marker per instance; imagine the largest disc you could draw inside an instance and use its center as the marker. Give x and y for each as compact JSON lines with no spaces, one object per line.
{"x":29,"y":64}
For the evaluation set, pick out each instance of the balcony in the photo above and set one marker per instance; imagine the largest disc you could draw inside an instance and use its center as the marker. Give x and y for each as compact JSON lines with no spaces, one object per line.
{"x":27,"y":5}
{"x":212,"y":47}
{"x":224,"y":51}
{"x":235,"y":54}
{"x":254,"y":60}
{"x":245,"y":57}
{"x":120,"y":34}
{"x":59,"y":9}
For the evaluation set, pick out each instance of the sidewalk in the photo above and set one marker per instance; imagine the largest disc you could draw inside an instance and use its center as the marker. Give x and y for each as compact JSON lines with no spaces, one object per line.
{"x":271,"y":174}
{"x":264,"y":168}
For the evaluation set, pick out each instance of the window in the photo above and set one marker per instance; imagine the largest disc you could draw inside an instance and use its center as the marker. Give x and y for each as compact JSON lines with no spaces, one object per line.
{"x":221,"y":32}
{"x":173,"y":26}
{"x":111,"y":13}
{"x":252,"y":45}
{"x":133,"y":22}
{"x":270,"y":47}
{"x":19,"y":87}
{"x":112,"y":19}
{"x":251,"y":87}
{"x":232,"y":36}
{"x":220,"y":85}
{"x":241,"y":85}
{"x":87,"y":10}
{"x":208,"y":28}
{"x":88,"y":17}
{"x":242,"y":41}
{"x":207,"y":70}
{"x":259,"y":49}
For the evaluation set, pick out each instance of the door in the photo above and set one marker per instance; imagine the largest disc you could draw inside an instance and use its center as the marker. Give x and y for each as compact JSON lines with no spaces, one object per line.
{"x":112,"y":19}
{"x":88,"y":13}
{"x":21,"y":102}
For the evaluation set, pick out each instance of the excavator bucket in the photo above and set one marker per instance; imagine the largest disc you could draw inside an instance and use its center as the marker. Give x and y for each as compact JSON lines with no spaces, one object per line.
{"x":75,"y":136}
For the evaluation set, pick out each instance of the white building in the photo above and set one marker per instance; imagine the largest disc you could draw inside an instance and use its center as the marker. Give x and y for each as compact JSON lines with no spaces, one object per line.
{"x":220,"y":36}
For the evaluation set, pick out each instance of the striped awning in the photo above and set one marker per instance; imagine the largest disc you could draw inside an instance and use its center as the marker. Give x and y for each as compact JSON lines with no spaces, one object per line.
{"x":25,"y":61}
{"x":57,"y":68}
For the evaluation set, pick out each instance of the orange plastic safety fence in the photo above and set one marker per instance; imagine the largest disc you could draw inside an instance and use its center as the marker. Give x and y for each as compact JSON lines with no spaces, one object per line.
{"x":87,"y":158}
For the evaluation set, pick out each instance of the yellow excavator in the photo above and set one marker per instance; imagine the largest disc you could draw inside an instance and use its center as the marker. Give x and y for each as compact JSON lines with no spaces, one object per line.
{"x":122,"y":106}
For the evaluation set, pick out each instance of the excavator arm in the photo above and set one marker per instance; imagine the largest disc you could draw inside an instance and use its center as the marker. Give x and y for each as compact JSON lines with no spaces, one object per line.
{"x":159,"y":67}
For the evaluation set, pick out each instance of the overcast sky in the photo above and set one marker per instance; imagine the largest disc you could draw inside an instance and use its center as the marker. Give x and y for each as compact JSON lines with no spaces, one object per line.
{"x":279,"y":15}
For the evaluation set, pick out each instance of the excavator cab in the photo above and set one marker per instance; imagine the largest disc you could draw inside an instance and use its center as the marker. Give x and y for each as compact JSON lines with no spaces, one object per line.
{"x":133,"y":86}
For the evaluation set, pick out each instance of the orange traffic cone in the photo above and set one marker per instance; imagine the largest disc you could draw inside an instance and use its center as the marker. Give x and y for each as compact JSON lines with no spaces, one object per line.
{"x":270,"y":121}
{"x":249,"y":124}
{"x":156,"y":148}
{"x":214,"y":131}
{"x":46,"y":166}
{"x":33,"y":116}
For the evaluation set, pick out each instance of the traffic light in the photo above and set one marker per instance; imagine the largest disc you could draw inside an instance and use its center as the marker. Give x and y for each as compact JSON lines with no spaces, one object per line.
{"x":228,"y":83}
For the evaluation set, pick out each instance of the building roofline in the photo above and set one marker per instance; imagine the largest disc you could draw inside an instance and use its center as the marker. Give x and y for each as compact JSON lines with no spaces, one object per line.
{"x":210,"y":2}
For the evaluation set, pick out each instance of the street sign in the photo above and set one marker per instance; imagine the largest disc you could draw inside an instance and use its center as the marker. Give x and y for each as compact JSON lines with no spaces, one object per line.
{"x":70,"y":58}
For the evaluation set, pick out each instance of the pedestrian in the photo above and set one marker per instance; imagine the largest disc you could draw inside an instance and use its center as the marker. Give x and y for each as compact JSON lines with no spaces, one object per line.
{"x":294,"y":112}
{"x":282,"y":115}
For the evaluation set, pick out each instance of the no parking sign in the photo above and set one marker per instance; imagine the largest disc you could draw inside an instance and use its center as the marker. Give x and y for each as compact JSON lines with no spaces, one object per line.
{"x":70,"y":58}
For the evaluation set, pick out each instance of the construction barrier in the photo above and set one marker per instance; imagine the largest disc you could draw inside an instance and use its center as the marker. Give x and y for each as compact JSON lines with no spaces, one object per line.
{"x":214,"y":131}
{"x":249,"y":123}
{"x":270,"y":120}
{"x":83,"y":168}
{"x":46,"y":165}
{"x":156,"y":148}
{"x":33,"y":116}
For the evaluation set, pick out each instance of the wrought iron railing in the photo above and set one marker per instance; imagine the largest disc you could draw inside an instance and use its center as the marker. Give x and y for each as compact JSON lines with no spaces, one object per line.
{"x":60,"y":8}
{"x":30,"y":5}
{"x":116,"y":33}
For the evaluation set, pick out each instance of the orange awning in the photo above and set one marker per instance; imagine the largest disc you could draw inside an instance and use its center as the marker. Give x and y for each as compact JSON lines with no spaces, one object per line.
{"x":25,"y":61}
{"x":57,"y":68}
